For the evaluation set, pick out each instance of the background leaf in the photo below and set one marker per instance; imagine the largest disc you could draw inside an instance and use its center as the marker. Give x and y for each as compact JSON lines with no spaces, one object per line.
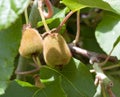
{"x":10,"y":11}
{"x":79,"y":4}
{"x":15,"y":90}
{"x":52,"y":89}
{"x":107,"y":33}
{"x":76,"y":79}
{"x":34,"y":16}
{"x":9,"y":43}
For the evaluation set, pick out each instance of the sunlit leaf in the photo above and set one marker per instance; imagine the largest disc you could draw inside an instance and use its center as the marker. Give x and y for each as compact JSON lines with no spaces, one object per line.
{"x":79,"y":4}
{"x":107,"y":33}
{"x":10,"y":11}
{"x":115,"y":4}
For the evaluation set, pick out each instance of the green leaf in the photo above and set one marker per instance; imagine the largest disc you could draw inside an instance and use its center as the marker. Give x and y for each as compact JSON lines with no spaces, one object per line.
{"x":3,"y":85}
{"x":89,"y":41}
{"x":48,"y":21}
{"x":52,"y":89}
{"x":75,"y":78}
{"x":115,"y":4}
{"x":9,"y":43}
{"x":107,"y":33}
{"x":10,"y":11}
{"x":15,"y":90}
{"x":73,"y":5}
{"x":79,"y":4}
{"x":34,"y":16}
{"x":23,"y":83}
{"x":61,"y":14}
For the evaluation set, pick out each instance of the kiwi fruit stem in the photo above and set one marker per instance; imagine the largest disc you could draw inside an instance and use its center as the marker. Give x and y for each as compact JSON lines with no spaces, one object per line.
{"x":78,"y":28}
{"x":64,"y":21}
{"x":26,"y":16}
{"x":42,"y":16}
{"x":36,"y":60}
{"x":50,"y":9}
{"x":21,"y":66}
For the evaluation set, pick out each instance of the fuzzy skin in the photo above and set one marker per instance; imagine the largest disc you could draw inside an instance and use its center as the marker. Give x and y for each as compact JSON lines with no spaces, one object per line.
{"x":55,"y":50}
{"x":31,"y":42}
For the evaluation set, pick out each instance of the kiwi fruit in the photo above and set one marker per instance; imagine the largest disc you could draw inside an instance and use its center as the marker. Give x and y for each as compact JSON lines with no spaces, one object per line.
{"x":31,"y":42}
{"x":55,"y":50}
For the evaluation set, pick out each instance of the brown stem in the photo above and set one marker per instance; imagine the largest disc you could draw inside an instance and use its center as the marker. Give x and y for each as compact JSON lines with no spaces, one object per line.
{"x":111,"y":67}
{"x":27,"y":72}
{"x":107,"y":58}
{"x":50,"y":9}
{"x":111,"y":94}
{"x":36,"y":65}
{"x":64,"y":21}
{"x":89,"y":54}
{"x":78,"y":28}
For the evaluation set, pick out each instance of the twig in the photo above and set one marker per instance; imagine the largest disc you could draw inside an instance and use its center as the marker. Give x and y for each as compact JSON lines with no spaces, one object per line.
{"x":89,"y":54}
{"x":107,"y":58}
{"x":64,"y":21}
{"x":111,"y":67}
{"x":26,"y":72}
{"x":107,"y":68}
{"x":21,"y":66}
{"x":37,"y":66}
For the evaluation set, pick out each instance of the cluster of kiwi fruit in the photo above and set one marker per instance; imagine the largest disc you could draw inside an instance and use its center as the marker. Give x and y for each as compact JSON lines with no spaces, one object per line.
{"x":53,"y":45}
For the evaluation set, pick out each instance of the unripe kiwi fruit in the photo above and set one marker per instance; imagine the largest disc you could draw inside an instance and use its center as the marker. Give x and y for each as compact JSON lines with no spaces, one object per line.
{"x":31,"y":42}
{"x":55,"y":50}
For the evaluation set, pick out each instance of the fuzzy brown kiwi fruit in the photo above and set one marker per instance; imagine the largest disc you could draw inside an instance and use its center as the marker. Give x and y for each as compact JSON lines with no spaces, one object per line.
{"x":55,"y":50}
{"x":31,"y":42}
